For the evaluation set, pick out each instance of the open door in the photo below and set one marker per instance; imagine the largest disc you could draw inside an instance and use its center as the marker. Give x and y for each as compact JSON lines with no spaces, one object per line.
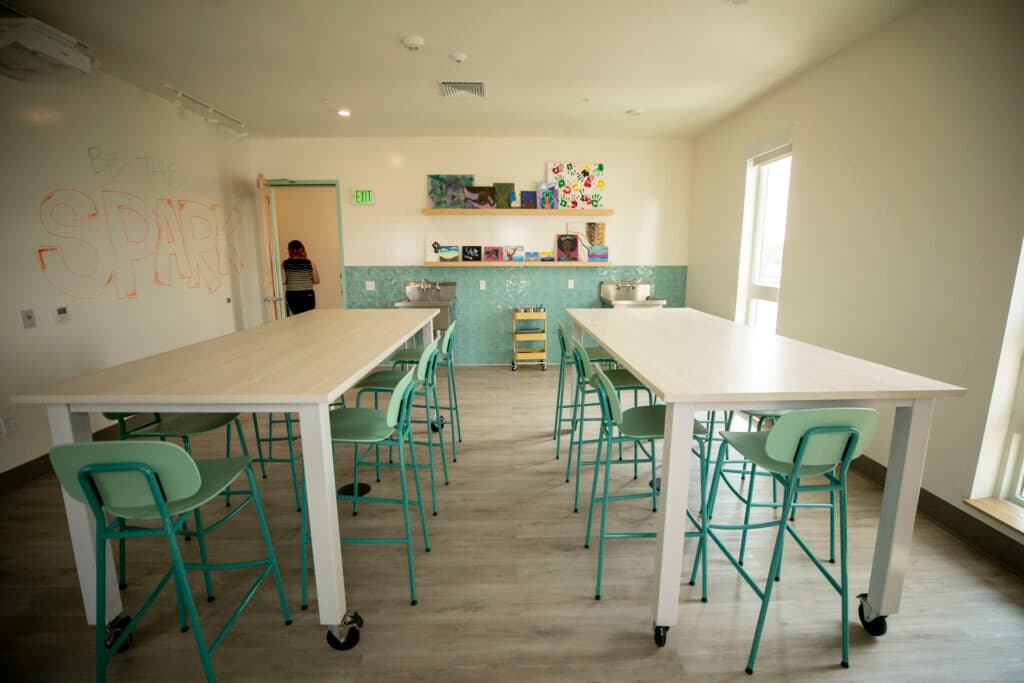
{"x":273,"y":300}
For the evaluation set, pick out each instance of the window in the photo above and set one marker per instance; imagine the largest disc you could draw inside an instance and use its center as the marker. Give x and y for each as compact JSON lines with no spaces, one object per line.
{"x":764,"y":234}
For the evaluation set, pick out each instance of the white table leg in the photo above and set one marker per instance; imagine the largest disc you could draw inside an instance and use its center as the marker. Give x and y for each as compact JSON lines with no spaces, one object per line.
{"x":675,"y":481}
{"x":899,"y":507}
{"x":427,"y":333}
{"x":322,"y":508}
{"x":67,"y":427}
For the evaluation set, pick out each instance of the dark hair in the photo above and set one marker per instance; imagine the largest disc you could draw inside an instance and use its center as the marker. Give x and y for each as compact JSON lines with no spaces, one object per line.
{"x":295,"y":245}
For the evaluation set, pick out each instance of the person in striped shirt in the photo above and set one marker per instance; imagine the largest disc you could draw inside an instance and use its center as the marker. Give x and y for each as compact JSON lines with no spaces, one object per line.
{"x":300,"y":275}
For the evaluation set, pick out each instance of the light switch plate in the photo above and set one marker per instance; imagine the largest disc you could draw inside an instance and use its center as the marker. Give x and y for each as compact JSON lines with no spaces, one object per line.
{"x":483,"y":284}
{"x":28,"y":318}
{"x":572,"y":284}
{"x":371,"y":285}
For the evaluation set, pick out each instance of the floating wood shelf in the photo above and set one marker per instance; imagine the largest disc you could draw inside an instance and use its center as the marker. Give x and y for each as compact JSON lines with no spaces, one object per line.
{"x":515,"y":264}
{"x":519,"y":212}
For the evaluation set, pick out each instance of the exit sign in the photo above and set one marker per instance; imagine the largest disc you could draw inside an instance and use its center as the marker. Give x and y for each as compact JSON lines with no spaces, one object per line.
{"x":362,"y":196}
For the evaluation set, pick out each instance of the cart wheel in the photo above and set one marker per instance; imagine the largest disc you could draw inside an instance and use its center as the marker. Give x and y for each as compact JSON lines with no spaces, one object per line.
{"x":660,"y":635}
{"x":543,"y":366}
{"x":514,"y":367}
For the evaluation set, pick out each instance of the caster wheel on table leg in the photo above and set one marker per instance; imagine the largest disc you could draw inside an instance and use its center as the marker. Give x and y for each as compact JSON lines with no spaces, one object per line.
{"x":114,"y":630}
{"x":875,"y":627}
{"x":345,"y":636}
{"x":660,"y":635}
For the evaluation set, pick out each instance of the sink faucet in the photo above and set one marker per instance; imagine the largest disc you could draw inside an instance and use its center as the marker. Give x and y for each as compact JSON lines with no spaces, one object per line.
{"x":427,"y":284}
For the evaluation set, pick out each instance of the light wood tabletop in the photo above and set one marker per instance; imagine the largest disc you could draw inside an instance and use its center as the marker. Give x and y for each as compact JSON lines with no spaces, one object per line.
{"x":688,"y":356}
{"x":309,"y":358}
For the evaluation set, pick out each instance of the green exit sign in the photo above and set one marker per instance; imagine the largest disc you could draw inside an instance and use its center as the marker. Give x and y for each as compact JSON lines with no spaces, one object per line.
{"x":362,"y":196}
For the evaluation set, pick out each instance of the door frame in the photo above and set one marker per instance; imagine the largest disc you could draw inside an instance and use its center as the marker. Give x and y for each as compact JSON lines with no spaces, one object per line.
{"x":273,"y":183}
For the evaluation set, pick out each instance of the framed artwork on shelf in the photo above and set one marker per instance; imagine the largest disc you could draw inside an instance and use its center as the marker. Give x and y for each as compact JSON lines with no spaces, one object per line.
{"x":547,"y":256}
{"x":532,"y":256}
{"x":514,"y":252}
{"x":547,"y":196}
{"x":504,"y":195}
{"x":447,"y":191}
{"x":492,"y":254}
{"x":568,"y":247}
{"x":528,"y":199}
{"x":448,"y":254}
{"x":479,"y":197}
{"x":579,"y":185}
{"x":471,"y":253}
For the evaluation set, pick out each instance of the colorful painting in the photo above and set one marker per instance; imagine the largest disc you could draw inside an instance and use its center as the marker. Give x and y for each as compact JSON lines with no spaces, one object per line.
{"x":595,"y":233}
{"x":532,"y":256}
{"x":528,"y":199}
{"x":580,"y":186}
{"x":547,"y":195}
{"x":514,"y":252}
{"x":448,"y":253}
{"x":447,"y":191}
{"x":598,"y":252}
{"x":479,"y":197}
{"x":568,"y":248}
{"x":492,"y":253}
{"x":471,"y":253}
{"x":547,"y":256}
{"x":504,"y":195}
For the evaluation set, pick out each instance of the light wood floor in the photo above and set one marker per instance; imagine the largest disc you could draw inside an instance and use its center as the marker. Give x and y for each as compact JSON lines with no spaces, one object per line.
{"x":507,"y":592}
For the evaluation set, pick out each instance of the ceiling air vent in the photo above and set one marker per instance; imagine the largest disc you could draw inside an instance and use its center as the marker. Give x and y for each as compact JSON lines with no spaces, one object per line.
{"x":462,"y":89}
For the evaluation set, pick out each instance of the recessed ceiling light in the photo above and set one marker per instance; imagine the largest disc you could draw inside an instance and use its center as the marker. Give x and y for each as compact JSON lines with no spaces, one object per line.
{"x":344,"y":113}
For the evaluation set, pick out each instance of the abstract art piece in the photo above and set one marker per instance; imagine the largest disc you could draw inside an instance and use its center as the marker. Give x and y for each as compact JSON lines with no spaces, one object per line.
{"x":470,"y":253}
{"x":547,"y":256}
{"x":447,"y":191}
{"x":448,"y":253}
{"x":479,"y":197}
{"x":514,"y":252}
{"x":598,"y":252}
{"x":568,"y":248}
{"x":580,"y":186}
{"x":547,"y":195}
{"x":492,"y":253}
{"x":532,"y":256}
{"x":504,"y":195}
{"x":528,"y":199}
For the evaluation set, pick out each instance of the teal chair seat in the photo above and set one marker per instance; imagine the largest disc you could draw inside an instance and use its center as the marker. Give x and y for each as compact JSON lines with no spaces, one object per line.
{"x":385,"y":380}
{"x":360,"y":425}
{"x":648,"y":422}
{"x":176,"y":425}
{"x":622,"y":379}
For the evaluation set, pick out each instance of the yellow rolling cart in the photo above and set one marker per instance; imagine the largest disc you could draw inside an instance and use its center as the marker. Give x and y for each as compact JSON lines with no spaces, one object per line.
{"x":529,"y":336}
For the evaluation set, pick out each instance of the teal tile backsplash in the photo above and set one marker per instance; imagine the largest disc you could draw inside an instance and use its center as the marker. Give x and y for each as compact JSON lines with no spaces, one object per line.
{"x":484,"y":333}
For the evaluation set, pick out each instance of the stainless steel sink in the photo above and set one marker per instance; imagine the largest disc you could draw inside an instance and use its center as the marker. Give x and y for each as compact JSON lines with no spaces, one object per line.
{"x":426,"y":294}
{"x":630,"y":293}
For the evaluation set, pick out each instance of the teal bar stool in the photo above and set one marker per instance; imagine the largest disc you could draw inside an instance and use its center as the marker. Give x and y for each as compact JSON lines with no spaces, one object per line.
{"x":640,"y":426}
{"x":289,"y":438}
{"x":369,"y":427}
{"x":597,"y":355}
{"x":159,"y":482}
{"x":805,"y":443}
{"x":411,"y":356}
{"x":385,"y":381}
{"x":621,"y":380}
{"x":182,"y":426}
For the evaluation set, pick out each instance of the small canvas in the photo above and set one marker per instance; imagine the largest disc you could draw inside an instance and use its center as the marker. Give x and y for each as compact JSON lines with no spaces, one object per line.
{"x":471,"y":253}
{"x":448,"y":253}
{"x":528,"y":199}
{"x":479,"y":197}
{"x":532,"y":256}
{"x":504,"y":195}
{"x":580,"y":185}
{"x":515,"y":252}
{"x":547,"y":196}
{"x":492,"y":253}
{"x":547,"y":256}
{"x":599,"y":252}
{"x":568,"y":248}
{"x":447,"y":191}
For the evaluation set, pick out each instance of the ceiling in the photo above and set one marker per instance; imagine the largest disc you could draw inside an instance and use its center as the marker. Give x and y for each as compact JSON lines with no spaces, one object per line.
{"x":550,"y":68}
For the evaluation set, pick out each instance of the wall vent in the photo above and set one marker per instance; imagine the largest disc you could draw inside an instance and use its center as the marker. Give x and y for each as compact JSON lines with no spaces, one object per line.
{"x":462,"y":89}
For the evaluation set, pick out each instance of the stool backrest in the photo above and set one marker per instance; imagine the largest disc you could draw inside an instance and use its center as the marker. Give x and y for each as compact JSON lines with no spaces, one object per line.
{"x":563,"y":339}
{"x":402,"y":396}
{"x":127,"y":487}
{"x":428,"y":362}
{"x":448,"y":338}
{"x":844,"y":433}
{"x":583,"y":364}
{"x":610,"y":405}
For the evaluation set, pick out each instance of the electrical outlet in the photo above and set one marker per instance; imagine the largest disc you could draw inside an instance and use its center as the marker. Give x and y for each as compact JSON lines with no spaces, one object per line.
{"x":371,"y":285}
{"x":28,"y":318}
{"x":483,"y":284}
{"x":8,"y":425}
{"x":572,"y":284}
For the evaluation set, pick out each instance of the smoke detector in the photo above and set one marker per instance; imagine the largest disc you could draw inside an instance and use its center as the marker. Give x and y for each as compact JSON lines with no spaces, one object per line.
{"x":413,"y":43}
{"x":458,"y":57}
{"x":464,"y":89}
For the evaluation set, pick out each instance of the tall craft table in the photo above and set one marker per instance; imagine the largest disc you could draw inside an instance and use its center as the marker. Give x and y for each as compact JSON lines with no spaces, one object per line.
{"x":299,"y":364}
{"x":695,"y":361}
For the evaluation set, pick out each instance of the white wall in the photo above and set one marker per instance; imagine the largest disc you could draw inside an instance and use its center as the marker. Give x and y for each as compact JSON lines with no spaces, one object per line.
{"x":96,"y":176}
{"x":905,"y":208}
{"x":648,"y":187}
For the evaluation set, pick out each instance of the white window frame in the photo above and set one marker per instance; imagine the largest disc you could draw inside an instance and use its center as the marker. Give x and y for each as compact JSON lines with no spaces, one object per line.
{"x":749,"y":290}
